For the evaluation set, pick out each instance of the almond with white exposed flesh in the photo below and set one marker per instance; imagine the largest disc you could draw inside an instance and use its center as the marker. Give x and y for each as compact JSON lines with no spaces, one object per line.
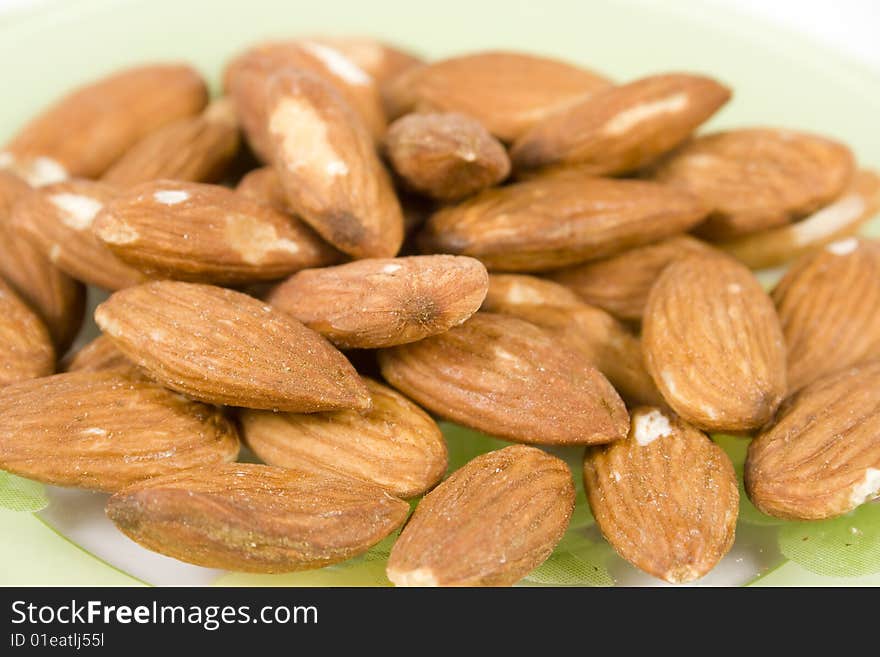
{"x":206,"y":233}
{"x":384,"y":302}
{"x":25,"y":346}
{"x":224,"y":347}
{"x":829,"y":307}
{"x":96,"y":356}
{"x":666,"y":497}
{"x":106,"y":430}
{"x":490,"y":524}
{"x":396,"y":446}
{"x":90,"y":128}
{"x":713,"y":344}
{"x":256,"y":518}
{"x":620,"y":284}
{"x":329,"y":168}
{"x":378,"y":59}
{"x":509,"y":378}
{"x":821,"y":457}
{"x":621,"y":129}
{"x":507,"y":92}
{"x":756,"y":179}
{"x":445,"y":156}
{"x":548,"y":223}
{"x":58,"y":220}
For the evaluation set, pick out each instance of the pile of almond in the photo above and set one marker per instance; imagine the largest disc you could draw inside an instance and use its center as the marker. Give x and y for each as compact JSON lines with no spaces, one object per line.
{"x":351,"y":243}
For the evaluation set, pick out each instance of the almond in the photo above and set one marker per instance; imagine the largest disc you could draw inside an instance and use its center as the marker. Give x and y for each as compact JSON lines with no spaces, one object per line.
{"x":90,"y":128}
{"x":507,"y":92}
{"x":490,"y":524}
{"x":829,"y":307}
{"x":445,"y":156}
{"x":264,"y":185}
{"x":380,"y":60}
{"x":714,"y":345}
{"x":620,"y":284}
{"x":206,"y":233}
{"x":197,"y":149}
{"x":329,"y":168}
{"x":509,"y":378}
{"x":821,"y":457}
{"x":256,"y":518}
{"x":58,"y":220}
{"x":396,"y":446}
{"x":384,"y":302}
{"x":224,"y":347}
{"x":666,"y":497}
{"x":622,"y":128}
{"x":25,"y":346}
{"x":837,"y":220}
{"x":756,"y":179}
{"x":548,"y":223}
{"x":106,"y":430}
{"x":97,"y":356}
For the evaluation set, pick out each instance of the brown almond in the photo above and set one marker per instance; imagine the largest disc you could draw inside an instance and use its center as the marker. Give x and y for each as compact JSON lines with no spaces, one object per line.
{"x":264,"y":186}
{"x":97,"y":356}
{"x":224,"y":347}
{"x":378,"y":59}
{"x":106,"y":430}
{"x":490,"y":524}
{"x":713,"y":344}
{"x":666,"y":497}
{"x":25,"y":346}
{"x":509,"y":378}
{"x":256,"y":518}
{"x":384,"y":302}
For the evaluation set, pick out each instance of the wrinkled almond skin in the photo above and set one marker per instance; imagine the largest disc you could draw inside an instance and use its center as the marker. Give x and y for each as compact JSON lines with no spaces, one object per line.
{"x":58,"y":220}
{"x":264,"y":186}
{"x":87,"y":130}
{"x":97,"y":356}
{"x":445,"y":156}
{"x":713,"y":344}
{"x":195,"y":149}
{"x":620,"y":284}
{"x":384,"y":302}
{"x":206,"y":233}
{"x":224,"y":347}
{"x":821,"y":456}
{"x":396,"y":446}
{"x":757,"y":179}
{"x":828,"y":306}
{"x":25,"y":346}
{"x":666,"y":497}
{"x":106,"y":430}
{"x":329,"y":168}
{"x":603,"y":341}
{"x":837,"y":220}
{"x":256,"y":518}
{"x":620,"y":129}
{"x":490,"y":524}
{"x":548,"y":223}
{"x":507,"y":92}
{"x":509,"y":378}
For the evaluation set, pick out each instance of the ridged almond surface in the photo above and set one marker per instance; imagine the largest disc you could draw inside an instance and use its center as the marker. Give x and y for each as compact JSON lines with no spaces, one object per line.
{"x":620,"y":284}
{"x":666,"y":497}
{"x":756,"y":179}
{"x":25,"y":346}
{"x":386,"y":301}
{"x":560,"y":220}
{"x":445,"y":156}
{"x":821,"y":456}
{"x":713,"y":344}
{"x":507,"y":92}
{"x":829,"y":307}
{"x":96,"y":356}
{"x":622,"y":128}
{"x":509,"y":378}
{"x":58,"y":220}
{"x":91,"y":127}
{"x":329,"y":167}
{"x":106,"y":430}
{"x":224,"y":347}
{"x":206,"y":233}
{"x":396,"y":446}
{"x":490,"y":524}
{"x":256,"y":518}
